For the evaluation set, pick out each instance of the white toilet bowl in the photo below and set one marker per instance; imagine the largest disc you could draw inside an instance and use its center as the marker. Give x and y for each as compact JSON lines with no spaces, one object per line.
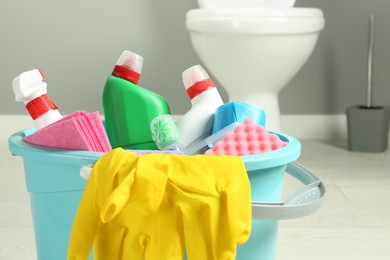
{"x":254,"y":52}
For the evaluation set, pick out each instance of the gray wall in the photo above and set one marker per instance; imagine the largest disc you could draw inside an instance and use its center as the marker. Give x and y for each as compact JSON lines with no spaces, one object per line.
{"x":335,"y":76}
{"x":76,"y":44}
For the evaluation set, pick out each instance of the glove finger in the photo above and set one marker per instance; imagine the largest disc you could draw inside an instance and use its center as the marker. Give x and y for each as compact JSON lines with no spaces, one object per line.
{"x":151,"y":179}
{"x":215,"y":222}
{"x":114,"y":245}
{"x":195,"y":217}
{"x":118,"y":198}
{"x":138,"y":237}
{"x":235,"y":199}
{"x":237,"y":216}
{"x":165,"y":239}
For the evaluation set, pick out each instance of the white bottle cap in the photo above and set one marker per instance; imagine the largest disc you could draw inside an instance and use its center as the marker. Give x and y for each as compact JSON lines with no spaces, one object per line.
{"x":131,"y":61}
{"x":193,"y":75}
{"x":29,"y":85}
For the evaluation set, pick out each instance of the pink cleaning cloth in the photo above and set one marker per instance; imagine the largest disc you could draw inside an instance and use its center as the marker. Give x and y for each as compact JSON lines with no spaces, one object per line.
{"x":64,"y":135}
{"x":87,"y":127}
{"x":246,"y":139}
{"x":100,"y":131}
{"x":77,"y":131}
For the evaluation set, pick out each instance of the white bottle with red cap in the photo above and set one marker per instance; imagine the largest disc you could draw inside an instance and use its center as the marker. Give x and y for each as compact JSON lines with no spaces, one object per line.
{"x":197,"y":123}
{"x":30,"y":89}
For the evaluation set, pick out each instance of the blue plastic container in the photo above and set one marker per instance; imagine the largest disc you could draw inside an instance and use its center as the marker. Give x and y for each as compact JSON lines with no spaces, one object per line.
{"x":237,"y":112}
{"x":55,"y":186}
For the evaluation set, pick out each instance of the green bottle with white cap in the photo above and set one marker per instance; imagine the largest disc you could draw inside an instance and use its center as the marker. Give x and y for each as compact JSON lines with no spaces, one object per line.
{"x":130,"y":108}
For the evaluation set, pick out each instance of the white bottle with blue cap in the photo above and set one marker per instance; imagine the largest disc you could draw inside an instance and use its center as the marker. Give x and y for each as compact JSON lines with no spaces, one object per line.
{"x":30,"y":89}
{"x":197,"y":123}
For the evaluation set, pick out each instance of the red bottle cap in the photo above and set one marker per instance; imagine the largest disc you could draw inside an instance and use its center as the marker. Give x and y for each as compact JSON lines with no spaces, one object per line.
{"x":40,"y":105}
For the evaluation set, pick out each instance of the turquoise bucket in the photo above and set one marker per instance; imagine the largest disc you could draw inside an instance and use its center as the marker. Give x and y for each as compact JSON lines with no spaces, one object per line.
{"x":266,"y":172}
{"x":55,"y":187}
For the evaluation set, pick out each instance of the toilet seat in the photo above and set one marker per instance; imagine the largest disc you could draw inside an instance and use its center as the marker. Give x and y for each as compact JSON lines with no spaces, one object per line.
{"x":218,"y":4}
{"x":256,"y":20}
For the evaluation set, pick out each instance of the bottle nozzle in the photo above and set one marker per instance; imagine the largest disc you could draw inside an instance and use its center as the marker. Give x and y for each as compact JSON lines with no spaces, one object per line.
{"x":29,"y":85}
{"x":30,"y":89}
{"x":196,"y":81}
{"x":129,"y":66}
{"x":131,"y":61}
{"x":193,"y":75}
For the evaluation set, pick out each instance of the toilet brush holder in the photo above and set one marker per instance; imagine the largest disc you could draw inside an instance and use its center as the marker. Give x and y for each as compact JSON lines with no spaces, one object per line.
{"x":368,"y":128}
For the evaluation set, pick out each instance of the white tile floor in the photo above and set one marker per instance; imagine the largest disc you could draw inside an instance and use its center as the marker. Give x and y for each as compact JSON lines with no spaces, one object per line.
{"x":354,"y":222}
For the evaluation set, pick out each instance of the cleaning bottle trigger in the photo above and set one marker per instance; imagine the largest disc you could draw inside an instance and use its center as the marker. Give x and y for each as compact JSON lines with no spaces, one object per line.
{"x":29,"y":85}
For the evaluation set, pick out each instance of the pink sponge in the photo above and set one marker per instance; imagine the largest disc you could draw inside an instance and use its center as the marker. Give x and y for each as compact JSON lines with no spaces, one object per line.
{"x":246,"y":139}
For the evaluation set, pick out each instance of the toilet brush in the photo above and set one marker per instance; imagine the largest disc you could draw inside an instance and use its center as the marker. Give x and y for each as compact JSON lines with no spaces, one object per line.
{"x":368,"y":125}
{"x":370,"y":56}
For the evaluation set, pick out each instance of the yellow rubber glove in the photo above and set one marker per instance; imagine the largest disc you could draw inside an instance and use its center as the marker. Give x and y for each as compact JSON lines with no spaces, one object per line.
{"x":211,"y":195}
{"x":86,"y":222}
{"x":150,"y":219}
{"x":150,"y":205}
{"x":110,"y":216}
{"x":100,"y":185}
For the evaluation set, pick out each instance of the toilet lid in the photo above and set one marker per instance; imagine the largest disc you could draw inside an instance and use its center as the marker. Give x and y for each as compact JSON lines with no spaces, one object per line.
{"x":218,"y":4}
{"x":254,"y":12}
{"x":256,"y":20}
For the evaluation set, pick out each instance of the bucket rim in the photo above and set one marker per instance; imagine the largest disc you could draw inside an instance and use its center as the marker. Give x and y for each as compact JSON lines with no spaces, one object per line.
{"x":278,"y":157}
{"x":20,"y":148}
{"x":282,"y":156}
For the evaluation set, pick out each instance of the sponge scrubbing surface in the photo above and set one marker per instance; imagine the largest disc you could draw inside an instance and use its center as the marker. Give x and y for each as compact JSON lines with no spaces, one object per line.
{"x":246,"y":139}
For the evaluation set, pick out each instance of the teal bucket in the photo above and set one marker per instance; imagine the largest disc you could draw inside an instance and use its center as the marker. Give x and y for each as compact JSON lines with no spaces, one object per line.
{"x":55,"y":187}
